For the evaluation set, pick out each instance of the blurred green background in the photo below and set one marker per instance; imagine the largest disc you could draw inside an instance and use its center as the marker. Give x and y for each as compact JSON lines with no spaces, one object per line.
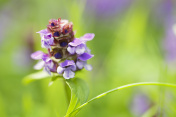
{"x":134,"y":42}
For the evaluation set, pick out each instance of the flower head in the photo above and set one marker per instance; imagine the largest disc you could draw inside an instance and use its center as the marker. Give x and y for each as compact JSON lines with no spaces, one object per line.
{"x":66,"y":54}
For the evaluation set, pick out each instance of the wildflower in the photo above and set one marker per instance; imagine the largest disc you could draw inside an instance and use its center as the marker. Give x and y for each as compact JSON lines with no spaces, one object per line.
{"x":67,"y":67}
{"x":66,"y":54}
{"x":140,"y":103}
{"x":45,"y":62}
{"x":78,"y":46}
{"x":82,"y":61}
{"x":46,"y":39}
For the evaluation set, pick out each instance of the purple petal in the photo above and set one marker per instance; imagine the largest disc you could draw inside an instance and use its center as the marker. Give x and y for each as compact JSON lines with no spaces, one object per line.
{"x":88,"y":50}
{"x":46,"y":43}
{"x":60,"y":70}
{"x":50,"y":64}
{"x":80,"y":49}
{"x":51,"y":41}
{"x":88,"y":67}
{"x":54,"y":67}
{"x":39,"y":65}
{"x":47,"y":36}
{"x":85,"y":56}
{"x":44,"y":31}
{"x":47,"y":70}
{"x":76,"y":42}
{"x":67,"y":63}
{"x":88,"y":37}
{"x":71,"y":50}
{"x":80,"y":64}
{"x":68,"y":74}
{"x":45,"y":57}
{"x":73,"y":67}
{"x":37,"y":55}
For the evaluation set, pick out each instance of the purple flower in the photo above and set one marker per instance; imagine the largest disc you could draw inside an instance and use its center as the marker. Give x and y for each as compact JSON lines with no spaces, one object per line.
{"x":140,"y":104}
{"x":169,"y":41}
{"x":46,"y":63}
{"x":78,"y":46}
{"x":108,"y":8}
{"x":46,"y":38}
{"x":60,"y":41}
{"x":82,"y":61}
{"x":170,"y":45}
{"x":67,"y":67}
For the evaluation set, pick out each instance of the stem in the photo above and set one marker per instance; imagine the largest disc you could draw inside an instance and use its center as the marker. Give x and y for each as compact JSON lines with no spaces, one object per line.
{"x":124,"y":87}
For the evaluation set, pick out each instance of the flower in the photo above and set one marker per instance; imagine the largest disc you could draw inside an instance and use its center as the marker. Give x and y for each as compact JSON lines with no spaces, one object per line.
{"x":78,"y":46}
{"x":140,"y":103}
{"x":46,"y":62}
{"x":108,"y":8}
{"x":67,"y":67}
{"x":46,"y":39}
{"x":82,"y":61}
{"x":66,"y":54}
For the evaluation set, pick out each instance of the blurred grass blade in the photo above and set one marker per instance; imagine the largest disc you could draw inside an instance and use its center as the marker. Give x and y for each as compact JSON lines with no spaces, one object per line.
{"x":151,"y":111}
{"x":35,"y":76}
{"x":79,"y":94}
{"x":74,"y":112}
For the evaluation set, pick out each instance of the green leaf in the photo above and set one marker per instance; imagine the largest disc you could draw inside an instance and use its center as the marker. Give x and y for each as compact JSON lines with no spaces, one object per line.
{"x":35,"y":76}
{"x":53,"y":78}
{"x":76,"y":110}
{"x":79,"y":95}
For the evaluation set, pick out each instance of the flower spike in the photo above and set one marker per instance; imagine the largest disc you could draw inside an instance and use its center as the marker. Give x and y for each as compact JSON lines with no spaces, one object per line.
{"x":66,"y":54}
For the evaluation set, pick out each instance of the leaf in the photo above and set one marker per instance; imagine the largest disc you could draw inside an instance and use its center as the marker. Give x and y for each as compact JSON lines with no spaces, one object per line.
{"x":53,"y":78}
{"x":79,"y":94}
{"x":76,"y":110}
{"x":35,"y":76}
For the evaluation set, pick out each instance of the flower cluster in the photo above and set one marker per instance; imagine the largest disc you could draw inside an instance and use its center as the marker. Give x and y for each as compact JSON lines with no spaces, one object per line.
{"x":66,"y":54}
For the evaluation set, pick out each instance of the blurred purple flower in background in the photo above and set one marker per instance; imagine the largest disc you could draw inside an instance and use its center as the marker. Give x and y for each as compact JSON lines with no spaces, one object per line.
{"x":140,"y":104}
{"x":163,"y":10}
{"x":169,"y":42}
{"x":106,"y":8}
{"x":5,"y":21}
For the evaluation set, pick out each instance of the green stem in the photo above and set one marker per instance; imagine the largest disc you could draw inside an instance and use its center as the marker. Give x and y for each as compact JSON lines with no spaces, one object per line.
{"x":124,"y":87}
